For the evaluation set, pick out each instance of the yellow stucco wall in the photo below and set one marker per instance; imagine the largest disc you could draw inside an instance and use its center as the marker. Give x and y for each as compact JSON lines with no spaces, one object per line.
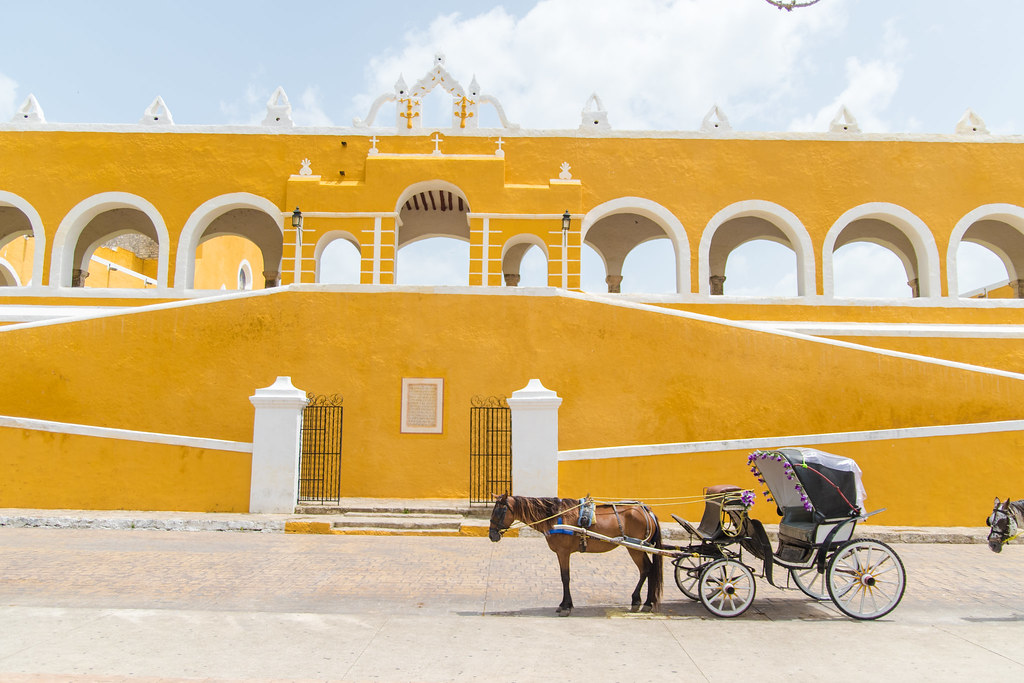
{"x":627,"y":375}
{"x":49,"y":470}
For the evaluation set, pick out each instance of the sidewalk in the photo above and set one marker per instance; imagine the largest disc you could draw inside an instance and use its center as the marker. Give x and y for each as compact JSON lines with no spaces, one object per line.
{"x":379,"y":516}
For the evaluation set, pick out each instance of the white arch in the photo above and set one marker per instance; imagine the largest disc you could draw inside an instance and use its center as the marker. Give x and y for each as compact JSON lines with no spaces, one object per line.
{"x":332,"y":236}
{"x":914,"y":228}
{"x":38,"y":234}
{"x":6,"y":267}
{"x":199,"y":221}
{"x":664,"y":218}
{"x":70,"y":230}
{"x":1010,"y":214}
{"x":783,"y":219}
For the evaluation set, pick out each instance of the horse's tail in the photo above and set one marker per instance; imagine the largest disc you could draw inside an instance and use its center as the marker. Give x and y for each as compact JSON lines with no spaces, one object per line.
{"x":657,"y":575}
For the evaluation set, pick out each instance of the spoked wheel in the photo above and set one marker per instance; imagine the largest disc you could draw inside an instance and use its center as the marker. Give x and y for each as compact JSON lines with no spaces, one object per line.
{"x":811,"y":582}
{"x":688,"y":574}
{"x":865,"y":579}
{"x":726,"y":588}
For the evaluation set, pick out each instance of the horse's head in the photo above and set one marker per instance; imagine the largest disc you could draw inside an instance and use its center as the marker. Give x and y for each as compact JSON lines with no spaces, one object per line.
{"x":1003,"y":525}
{"x":501,"y":518}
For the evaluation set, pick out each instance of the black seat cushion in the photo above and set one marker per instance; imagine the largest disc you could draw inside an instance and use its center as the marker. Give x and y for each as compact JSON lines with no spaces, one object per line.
{"x":797,"y":525}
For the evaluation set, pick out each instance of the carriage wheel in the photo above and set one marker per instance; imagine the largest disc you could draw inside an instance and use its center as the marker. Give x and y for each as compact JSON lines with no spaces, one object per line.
{"x":727,"y":588}
{"x":688,"y":574}
{"x":811,"y":582}
{"x":865,"y":579}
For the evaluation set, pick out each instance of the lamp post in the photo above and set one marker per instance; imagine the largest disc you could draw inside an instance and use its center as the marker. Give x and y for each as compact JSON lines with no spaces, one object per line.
{"x":297,"y":224}
{"x":566,"y":223}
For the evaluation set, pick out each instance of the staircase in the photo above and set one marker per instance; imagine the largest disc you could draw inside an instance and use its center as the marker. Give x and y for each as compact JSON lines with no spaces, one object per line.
{"x":393,"y":518}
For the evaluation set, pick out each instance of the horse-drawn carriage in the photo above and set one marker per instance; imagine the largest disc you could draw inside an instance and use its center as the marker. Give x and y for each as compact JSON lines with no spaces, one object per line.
{"x":819,"y":497}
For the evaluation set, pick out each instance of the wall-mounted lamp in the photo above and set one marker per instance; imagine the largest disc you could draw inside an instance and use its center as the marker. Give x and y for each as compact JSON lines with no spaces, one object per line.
{"x":566,"y":219}
{"x":297,"y":219}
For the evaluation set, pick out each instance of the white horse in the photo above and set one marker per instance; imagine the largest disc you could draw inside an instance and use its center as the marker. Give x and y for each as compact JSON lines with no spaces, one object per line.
{"x":1006,"y":518}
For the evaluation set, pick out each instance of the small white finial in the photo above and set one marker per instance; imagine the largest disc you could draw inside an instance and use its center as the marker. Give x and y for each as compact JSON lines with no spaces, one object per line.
{"x":29,"y":112}
{"x":715,"y":121}
{"x":279,"y":110}
{"x":400,"y":87}
{"x":305,"y":170}
{"x":971,"y":124}
{"x":594,"y":115}
{"x":564,"y":174}
{"x":157,"y":113}
{"x":843,"y":122}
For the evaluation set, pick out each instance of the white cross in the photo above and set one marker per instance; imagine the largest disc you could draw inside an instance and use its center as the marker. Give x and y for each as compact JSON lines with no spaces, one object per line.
{"x":374,"y":141}
{"x":437,"y":143}
{"x":500,"y":151}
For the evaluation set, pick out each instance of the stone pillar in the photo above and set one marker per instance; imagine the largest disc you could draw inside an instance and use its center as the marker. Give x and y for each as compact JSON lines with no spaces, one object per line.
{"x":276,"y":440}
{"x":272,"y":278}
{"x":78,"y":277}
{"x":511,"y":279}
{"x":915,"y":289}
{"x":534,"y":440}
{"x":1018,"y":288}
{"x":717,"y":284}
{"x":614,"y":283}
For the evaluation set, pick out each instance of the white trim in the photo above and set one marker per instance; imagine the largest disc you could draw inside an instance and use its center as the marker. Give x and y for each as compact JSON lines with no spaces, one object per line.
{"x":342,"y":214}
{"x":527,"y":217}
{"x":123,"y":434}
{"x":665,"y":220}
{"x":38,"y":234}
{"x":206,"y":213}
{"x":117,"y":267}
{"x":938,"y":330}
{"x":921,"y":238}
{"x":788,"y":441}
{"x":1010,"y":214}
{"x":76,"y":220}
{"x":783,"y":219}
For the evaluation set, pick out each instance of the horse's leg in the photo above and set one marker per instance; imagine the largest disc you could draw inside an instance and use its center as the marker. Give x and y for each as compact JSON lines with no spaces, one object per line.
{"x":564,"y":609}
{"x":643,"y":564}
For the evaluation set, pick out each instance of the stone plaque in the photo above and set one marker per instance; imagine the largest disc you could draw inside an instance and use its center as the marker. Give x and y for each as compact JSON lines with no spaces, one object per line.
{"x":422,"y":405}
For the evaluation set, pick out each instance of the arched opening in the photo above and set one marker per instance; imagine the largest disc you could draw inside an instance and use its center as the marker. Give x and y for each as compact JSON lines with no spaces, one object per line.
{"x":870,"y":270}
{"x":221,"y":260}
{"x":986,"y":253}
{"x":338,"y":260}
{"x":524,"y":262}
{"x":760,"y":269}
{"x":433,"y":235}
{"x":892,"y":229}
{"x":865,"y":270}
{"x":253,"y":219}
{"x":592,"y":270}
{"x":19,"y":247}
{"x":646,"y":234}
{"x":117,"y":248}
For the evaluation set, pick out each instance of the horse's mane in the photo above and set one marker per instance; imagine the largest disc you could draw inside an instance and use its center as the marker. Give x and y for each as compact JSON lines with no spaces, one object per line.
{"x":537,"y":511}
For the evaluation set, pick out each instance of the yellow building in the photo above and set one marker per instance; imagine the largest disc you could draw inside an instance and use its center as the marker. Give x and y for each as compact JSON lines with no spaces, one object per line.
{"x":662,"y":394}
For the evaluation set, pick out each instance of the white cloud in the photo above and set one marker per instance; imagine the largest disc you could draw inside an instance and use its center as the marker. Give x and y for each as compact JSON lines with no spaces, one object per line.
{"x":309,"y":111}
{"x":870,"y":89}
{"x":8,"y":95}
{"x":655,"y":64}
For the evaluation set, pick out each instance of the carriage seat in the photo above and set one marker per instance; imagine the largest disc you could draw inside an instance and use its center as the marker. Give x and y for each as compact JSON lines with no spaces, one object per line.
{"x":710,"y":528}
{"x":797,"y":525}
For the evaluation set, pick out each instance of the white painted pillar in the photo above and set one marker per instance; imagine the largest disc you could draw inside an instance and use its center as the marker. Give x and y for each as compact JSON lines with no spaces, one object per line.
{"x":276,"y":440}
{"x":534,"y":440}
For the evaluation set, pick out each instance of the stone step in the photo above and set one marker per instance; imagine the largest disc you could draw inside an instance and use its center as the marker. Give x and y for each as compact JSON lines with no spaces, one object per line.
{"x":393,"y":521}
{"x":419,"y":510}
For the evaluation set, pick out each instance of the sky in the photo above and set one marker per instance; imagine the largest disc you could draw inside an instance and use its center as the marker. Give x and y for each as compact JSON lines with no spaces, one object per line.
{"x":913,"y":66}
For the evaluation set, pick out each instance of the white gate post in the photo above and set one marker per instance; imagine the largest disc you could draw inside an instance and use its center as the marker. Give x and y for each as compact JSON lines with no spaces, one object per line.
{"x":276,"y":439}
{"x":534,"y":440}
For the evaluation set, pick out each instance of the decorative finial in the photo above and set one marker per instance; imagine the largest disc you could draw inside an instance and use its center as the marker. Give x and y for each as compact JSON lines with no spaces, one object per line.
{"x":564,"y":174}
{"x":157,"y":113}
{"x":279,"y":110}
{"x":305,"y":170}
{"x":594,"y":115}
{"x":715,"y":121}
{"x":971,"y":124}
{"x":843,"y":122}
{"x":29,"y":112}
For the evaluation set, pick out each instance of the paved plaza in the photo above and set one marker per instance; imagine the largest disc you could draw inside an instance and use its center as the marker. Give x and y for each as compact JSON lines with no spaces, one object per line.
{"x":89,"y":604}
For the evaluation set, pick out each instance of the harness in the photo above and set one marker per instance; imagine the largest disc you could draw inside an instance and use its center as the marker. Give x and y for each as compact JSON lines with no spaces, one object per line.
{"x":1012,"y":531}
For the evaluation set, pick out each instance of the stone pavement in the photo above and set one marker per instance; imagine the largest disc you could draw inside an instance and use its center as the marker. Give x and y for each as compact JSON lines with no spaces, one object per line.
{"x":116,"y":605}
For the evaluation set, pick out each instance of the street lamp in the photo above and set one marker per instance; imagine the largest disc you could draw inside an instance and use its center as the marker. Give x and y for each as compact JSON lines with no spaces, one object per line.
{"x":566,"y":222}
{"x":566,"y":219}
{"x":297,"y":224}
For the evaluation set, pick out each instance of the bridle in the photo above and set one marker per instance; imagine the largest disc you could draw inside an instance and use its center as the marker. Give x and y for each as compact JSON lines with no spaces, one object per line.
{"x":501,"y":509}
{"x":1003,"y":537}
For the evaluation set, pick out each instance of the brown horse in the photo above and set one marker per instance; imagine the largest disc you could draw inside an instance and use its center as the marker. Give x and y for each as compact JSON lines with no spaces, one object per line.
{"x":630,"y":520}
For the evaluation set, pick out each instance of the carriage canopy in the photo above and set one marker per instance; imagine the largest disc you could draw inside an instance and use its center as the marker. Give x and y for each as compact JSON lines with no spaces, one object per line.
{"x":812,"y":479}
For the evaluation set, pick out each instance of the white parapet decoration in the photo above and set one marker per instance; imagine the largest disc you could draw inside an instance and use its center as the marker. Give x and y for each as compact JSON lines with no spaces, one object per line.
{"x":276,"y":440}
{"x":534,"y":440}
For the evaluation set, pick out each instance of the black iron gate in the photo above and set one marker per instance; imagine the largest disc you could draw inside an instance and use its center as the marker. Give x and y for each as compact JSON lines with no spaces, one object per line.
{"x":490,"y":448}
{"x":320,"y":460}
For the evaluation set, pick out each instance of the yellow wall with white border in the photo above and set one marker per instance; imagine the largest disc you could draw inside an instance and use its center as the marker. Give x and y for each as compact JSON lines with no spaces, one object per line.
{"x":72,"y":471}
{"x":628,"y":375}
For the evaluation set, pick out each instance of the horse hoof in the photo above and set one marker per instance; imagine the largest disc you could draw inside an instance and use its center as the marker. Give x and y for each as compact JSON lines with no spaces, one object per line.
{"x":564,"y":611}
{"x":648,"y":608}
{"x":635,"y":607}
